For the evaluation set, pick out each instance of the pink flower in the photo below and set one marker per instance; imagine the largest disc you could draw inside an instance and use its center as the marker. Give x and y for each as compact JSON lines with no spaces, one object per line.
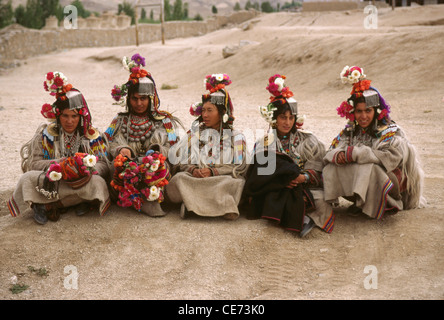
{"x":55,"y":167}
{"x":345,"y":110}
{"x":273,"y":88}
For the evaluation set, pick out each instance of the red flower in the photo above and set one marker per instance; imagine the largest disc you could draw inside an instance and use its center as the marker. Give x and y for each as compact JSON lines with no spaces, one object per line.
{"x":50,"y":76}
{"x":361,"y":86}
{"x":47,"y":111}
{"x":58,"y":82}
{"x":383,"y":114}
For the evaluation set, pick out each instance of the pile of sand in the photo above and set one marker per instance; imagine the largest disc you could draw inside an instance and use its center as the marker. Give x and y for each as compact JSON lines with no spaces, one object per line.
{"x":126,"y":255}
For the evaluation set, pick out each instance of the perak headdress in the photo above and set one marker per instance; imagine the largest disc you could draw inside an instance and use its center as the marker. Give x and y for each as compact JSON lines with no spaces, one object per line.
{"x":280,"y":94}
{"x":361,"y":87}
{"x":216,"y":85}
{"x":147,"y":86}
{"x":57,"y":85}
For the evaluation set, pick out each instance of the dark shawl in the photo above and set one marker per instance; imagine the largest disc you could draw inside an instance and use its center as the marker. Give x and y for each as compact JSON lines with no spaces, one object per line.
{"x":272,"y":200}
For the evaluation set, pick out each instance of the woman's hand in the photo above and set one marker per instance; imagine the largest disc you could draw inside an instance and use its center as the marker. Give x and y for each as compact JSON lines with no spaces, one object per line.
{"x":340,"y":159}
{"x":294,"y":183}
{"x":125,"y":152}
{"x":202,"y":173}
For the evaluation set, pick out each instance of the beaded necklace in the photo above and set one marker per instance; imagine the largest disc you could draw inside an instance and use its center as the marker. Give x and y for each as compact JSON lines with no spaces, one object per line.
{"x":70,"y":143}
{"x":138,"y":128}
{"x":285,"y":142}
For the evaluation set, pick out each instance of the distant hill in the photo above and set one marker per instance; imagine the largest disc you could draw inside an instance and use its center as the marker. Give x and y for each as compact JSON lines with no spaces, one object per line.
{"x":202,"y":7}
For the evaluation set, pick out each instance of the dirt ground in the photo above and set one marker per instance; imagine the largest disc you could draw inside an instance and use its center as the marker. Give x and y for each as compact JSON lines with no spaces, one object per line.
{"x":126,"y":255}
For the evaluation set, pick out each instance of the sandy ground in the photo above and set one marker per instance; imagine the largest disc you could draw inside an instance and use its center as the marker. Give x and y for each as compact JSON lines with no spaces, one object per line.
{"x":126,"y":255}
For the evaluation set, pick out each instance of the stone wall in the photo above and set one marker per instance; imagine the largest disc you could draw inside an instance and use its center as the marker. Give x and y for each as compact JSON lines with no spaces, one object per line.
{"x":329,"y":5}
{"x":18,"y":42}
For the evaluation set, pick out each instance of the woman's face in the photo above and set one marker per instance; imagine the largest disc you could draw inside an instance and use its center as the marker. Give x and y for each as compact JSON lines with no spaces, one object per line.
{"x":363,"y":115}
{"x":69,"y":120}
{"x":285,"y":122}
{"x":211,"y":116}
{"x":139,"y":104}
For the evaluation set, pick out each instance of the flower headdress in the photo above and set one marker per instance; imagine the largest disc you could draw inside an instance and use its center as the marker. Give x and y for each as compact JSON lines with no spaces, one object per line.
{"x":57,"y":85}
{"x":281,"y":94}
{"x":147,"y":86}
{"x":216,"y":85}
{"x":361,"y":87}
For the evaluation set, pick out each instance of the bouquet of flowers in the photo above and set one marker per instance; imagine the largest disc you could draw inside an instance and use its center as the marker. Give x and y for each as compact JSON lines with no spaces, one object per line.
{"x":352,"y":75}
{"x":140,"y":182}
{"x":76,"y":171}
{"x":56,"y":83}
{"x":215,"y":82}
{"x":276,"y":86}
{"x":267,"y":112}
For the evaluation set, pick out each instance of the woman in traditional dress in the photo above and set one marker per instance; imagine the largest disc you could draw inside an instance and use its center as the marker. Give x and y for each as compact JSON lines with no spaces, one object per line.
{"x":139,"y":139}
{"x":65,"y":163}
{"x":212,"y":157}
{"x":291,"y":191}
{"x":371,"y":162}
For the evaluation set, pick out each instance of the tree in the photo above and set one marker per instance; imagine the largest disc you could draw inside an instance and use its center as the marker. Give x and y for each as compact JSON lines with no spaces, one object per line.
{"x":248,"y":5}
{"x":185,"y":11}
{"x":6,"y":14}
{"x":237,"y":7}
{"x":143,"y":14}
{"x":214,"y":9}
{"x":127,"y":9}
{"x":19,"y":14}
{"x":167,"y":10}
{"x":198,"y":17}
{"x":177,"y":10}
{"x":81,"y":11}
{"x":266,"y":7}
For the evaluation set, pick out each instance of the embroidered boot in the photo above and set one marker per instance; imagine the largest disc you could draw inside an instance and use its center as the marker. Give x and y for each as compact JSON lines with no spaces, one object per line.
{"x":153,"y":209}
{"x":40,"y":213}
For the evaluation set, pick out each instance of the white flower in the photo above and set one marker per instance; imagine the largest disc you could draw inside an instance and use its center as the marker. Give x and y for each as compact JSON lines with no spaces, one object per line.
{"x":356,"y":74}
{"x":55,"y":176}
{"x":263,"y":110}
{"x":280,"y":83}
{"x":301,"y":119}
{"x":344,"y":71}
{"x":352,"y":79}
{"x":90,"y":160}
{"x":219,"y":76}
{"x":154,"y":193}
{"x":155,"y":165}
{"x":125,"y":63}
{"x":225,"y":118}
